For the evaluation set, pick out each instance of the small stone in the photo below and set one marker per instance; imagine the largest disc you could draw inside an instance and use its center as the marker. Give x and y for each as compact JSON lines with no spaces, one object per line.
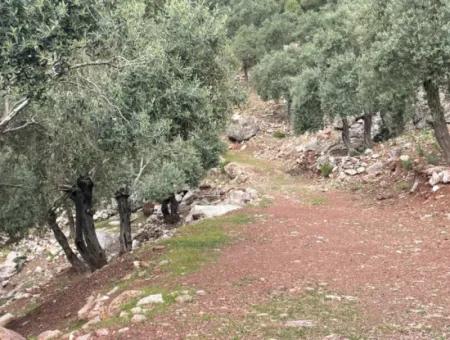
{"x":405,"y":158}
{"x":375,"y":169}
{"x":436,"y":178}
{"x":151,"y":299}
{"x":138,"y":318}
{"x":436,"y":188}
{"x":5,"y":319}
{"x":84,"y":311}
{"x":102,"y":332}
{"x":124,"y":315}
{"x":114,"y":307}
{"x":48,"y":335}
{"x":446,"y":176}
{"x":299,"y":324}
{"x":91,"y":322}
{"x":351,"y":172}
{"x":200,"y":292}
{"x":85,"y":337}
{"x":136,"y":244}
{"x":184,"y":299}
{"x":136,"y":310}
{"x":123,"y":330}
{"x":335,"y":337}
{"x":38,"y":270}
{"x":113,"y":291}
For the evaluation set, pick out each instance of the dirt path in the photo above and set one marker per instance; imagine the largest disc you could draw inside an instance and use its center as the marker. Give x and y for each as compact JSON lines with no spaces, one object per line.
{"x":340,"y":264}
{"x":352,"y":266}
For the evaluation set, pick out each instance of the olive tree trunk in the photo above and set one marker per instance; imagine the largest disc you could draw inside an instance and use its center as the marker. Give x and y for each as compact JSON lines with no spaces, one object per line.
{"x":245,"y":68}
{"x":169,"y":209}
{"x":123,"y":203}
{"x":346,"y":134}
{"x":73,"y":259}
{"x":367,"y":118}
{"x":86,"y":239}
{"x":437,"y":112}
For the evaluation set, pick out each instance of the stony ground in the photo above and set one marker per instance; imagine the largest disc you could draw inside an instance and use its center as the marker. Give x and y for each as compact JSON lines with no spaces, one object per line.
{"x":307,"y":261}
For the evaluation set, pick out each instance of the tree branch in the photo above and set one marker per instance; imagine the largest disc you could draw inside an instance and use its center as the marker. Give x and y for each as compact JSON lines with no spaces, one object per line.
{"x":18,"y":186}
{"x":141,"y":171}
{"x":23,"y":126}
{"x":9,"y":116}
{"x":94,"y":63}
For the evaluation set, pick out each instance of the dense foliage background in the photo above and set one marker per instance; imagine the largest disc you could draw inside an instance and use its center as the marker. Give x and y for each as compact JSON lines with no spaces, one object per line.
{"x":132,"y":96}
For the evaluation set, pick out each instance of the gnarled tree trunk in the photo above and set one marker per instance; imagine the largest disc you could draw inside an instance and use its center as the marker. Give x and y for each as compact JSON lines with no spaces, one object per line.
{"x":346,"y":134}
{"x":123,"y":203}
{"x":86,"y":239}
{"x":437,"y":112}
{"x":367,"y":118}
{"x":169,"y":209}
{"x":73,"y":259}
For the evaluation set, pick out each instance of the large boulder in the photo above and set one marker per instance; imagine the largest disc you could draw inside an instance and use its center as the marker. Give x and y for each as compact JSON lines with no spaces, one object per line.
{"x":242,"y":128}
{"x":209,"y":211}
{"x":241,"y":196}
{"x":7,"y":334}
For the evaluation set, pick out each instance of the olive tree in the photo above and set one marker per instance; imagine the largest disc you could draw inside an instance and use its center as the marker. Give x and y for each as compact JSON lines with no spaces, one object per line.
{"x":37,"y":39}
{"x":413,"y":47}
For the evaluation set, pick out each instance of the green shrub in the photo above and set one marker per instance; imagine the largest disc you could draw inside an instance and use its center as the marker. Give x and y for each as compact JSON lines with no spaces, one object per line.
{"x":420,"y":151}
{"x":407,"y":164}
{"x":432,"y":158}
{"x":279,"y":134}
{"x":222,"y":165}
{"x":326,"y":169}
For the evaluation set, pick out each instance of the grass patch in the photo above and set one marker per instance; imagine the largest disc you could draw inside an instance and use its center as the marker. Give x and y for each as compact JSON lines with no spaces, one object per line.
{"x":326,"y":170}
{"x":106,"y":225}
{"x":432,"y":158}
{"x":402,"y":185}
{"x":246,"y":159}
{"x":222,"y":165}
{"x":318,"y":200}
{"x":265,"y":202}
{"x":328,"y":315}
{"x":407,"y":164}
{"x":197,"y":244}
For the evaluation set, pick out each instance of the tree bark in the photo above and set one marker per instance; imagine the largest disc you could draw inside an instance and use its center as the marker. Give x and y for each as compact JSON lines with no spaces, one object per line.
{"x":245,"y":68}
{"x":123,"y":203}
{"x":169,"y":209}
{"x":73,"y":259}
{"x":86,"y":239}
{"x":71,"y":220}
{"x":437,"y":112}
{"x":346,"y":134}
{"x":367,"y":118}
